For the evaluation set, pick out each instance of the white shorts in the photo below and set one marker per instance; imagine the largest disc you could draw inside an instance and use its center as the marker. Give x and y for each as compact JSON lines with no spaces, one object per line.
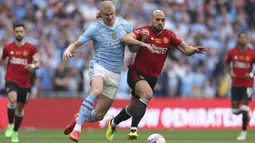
{"x":111,"y":79}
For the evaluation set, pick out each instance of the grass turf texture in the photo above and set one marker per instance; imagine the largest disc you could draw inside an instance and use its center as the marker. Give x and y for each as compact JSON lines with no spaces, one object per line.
{"x":57,"y":136}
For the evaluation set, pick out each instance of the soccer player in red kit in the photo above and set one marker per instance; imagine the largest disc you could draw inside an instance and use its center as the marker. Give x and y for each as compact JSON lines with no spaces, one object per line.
{"x":22,"y":59}
{"x":242,"y":59}
{"x":143,"y":73}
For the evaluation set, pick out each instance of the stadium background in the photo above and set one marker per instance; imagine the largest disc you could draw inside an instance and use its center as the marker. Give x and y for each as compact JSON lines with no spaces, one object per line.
{"x":185,"y":82}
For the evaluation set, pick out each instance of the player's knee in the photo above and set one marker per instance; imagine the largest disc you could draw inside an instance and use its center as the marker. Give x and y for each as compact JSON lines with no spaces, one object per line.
{"x":20,"y":107}
{"x":97,"y":92}
{"x":99,"y":116}
{"x":245,"y":101}
{"x":19,"y":113}
{"x":146,"y":95}
{"x":12,"y":97}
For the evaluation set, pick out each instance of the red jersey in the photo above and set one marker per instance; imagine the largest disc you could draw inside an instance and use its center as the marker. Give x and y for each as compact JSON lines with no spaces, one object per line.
{"x":242,"y":65}
{"x":151,"y":64}
{"x":18,"y":57}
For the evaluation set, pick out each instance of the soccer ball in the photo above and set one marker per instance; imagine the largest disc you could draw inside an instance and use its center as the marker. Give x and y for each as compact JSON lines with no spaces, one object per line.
{"x":156,"y":138}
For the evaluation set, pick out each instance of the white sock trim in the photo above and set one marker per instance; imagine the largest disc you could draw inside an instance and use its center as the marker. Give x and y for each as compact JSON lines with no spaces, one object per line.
{"x":134,"y":128}
{"x":145,"y":101}
{"x":12,"y":106}
{"x":245,"y":108}
{"x":235,"y":111}
{"x":77,"y":127}
{"x":113,"y":124}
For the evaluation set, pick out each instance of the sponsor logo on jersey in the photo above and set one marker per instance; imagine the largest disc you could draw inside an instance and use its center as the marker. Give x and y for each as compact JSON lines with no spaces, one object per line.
{"x":159,"y":50}
{"x":18,"y":61}
{"x":244,"y":65}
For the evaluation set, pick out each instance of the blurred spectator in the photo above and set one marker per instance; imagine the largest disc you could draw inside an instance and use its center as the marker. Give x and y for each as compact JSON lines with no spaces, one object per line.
{"x":52,"y":25}
{"x":60,"y":78}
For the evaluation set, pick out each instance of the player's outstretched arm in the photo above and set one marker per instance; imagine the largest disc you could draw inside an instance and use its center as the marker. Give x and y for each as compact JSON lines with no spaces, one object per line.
{"x":69,"y":52}
{"x":133,"y":44}
{"x":190,"y":50}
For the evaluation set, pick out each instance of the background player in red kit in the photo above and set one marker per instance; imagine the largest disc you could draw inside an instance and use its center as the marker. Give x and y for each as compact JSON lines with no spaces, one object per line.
{"x":143,"y":73}
{"x":242,"y":59}
{"x":22,"y":59}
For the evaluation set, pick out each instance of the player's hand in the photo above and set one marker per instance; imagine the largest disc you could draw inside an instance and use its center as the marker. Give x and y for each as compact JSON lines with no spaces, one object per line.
{"x":145,"y":34}
{"x":148,"y":46}
{"x":200,"y":49}
{"x":30,"y":67}
{"x":249,"y":75}
{"x":67,"y":54}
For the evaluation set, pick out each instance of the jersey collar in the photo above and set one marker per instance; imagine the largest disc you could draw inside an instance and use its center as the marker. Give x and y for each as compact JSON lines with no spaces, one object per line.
{"x":111,"y":27}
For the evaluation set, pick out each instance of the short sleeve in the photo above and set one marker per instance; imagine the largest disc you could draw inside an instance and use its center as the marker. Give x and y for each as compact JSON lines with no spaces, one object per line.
{"x":228,"y":58}
{"x":175,"y":40}
{"x":88,"y":34}
{"x":34,"y":50}
{"x":138,"y":34}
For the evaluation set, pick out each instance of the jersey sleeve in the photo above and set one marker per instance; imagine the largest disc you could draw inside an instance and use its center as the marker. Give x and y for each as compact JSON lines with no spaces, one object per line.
{"x":34,"y":50}
{"x":138,"y":34}
{"x":175,"y":40}
{"x":228,"y":58}
{"x":88,"y":34}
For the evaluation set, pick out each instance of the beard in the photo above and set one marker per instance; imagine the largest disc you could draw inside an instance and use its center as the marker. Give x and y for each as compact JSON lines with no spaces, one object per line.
{"x":158,"y":28}
{"x":19,"y":38}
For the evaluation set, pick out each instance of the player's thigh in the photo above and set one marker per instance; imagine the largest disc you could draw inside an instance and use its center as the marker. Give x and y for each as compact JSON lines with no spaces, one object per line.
{"x":103,"y":105}
{"x":11,"y":90}
{"x":23,"y":95}
{"x":97,"y":74}
{"x":137,"y":83}
{"x":97,"y":85}
{"x":112,"y":82}
{"x":236,"y":97}
{"x":143,"y":89}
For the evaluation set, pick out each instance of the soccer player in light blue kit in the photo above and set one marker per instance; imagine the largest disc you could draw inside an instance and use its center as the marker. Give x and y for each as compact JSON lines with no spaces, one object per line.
{"x":105,"y":67}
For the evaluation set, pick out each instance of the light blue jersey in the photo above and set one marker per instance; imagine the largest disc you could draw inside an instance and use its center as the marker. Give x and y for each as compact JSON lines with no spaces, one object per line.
{"x":109,"y":50}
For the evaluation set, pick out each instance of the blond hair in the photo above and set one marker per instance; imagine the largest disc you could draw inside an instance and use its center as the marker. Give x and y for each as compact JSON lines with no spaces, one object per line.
{"x":104,"y":5}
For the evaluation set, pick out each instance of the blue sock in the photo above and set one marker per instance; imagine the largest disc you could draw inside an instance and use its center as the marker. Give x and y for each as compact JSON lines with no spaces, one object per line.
{"x":91,"y":117}
{"x":86,"y":111}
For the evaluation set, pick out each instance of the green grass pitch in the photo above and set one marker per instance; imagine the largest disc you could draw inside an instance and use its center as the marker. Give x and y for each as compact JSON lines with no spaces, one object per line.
{"x":172,"y":136}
